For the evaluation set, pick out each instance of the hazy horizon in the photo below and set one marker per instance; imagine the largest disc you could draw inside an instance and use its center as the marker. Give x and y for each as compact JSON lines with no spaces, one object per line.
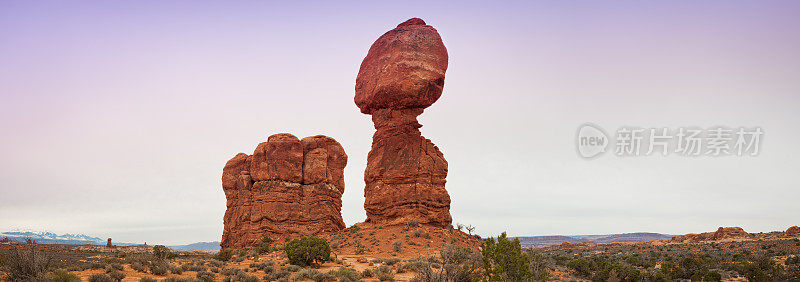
{"x":117,"y":117}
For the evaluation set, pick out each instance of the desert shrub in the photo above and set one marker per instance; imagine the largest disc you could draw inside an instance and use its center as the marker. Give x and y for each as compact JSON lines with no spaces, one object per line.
{"x":224,"y":255}
{"x":391,"y":261}
{"x":345,"y":274}
{"x":712,"y":276}
{"x":242,"y":277}
{"x":97,"y":265}
{"x":277,"y":275}
{"x":138,"y":266}
{"x":115,"y":266}
{"x":197,"y":268}
{"x":100,"y":277}
{"x":159,"y":268}
{"x":504,"y":260}
{"x":307,"y":251}
{"x":291,"y":268}
{"x":229,"y":271}
{"x":177,"y":279}
{"x":792,"y":260}
{"x":263,"y":265}
{"x":160,"y":252}
{"x":265,"y":246}
{"x":216,"y":263}
{"x":21,"y":265}
{"x":205,"y":276}
{"x":366,"y":273}
{"x":116,"y":275}
{"x":412,"y":223}
{"x":417,"y":233}
{"x":457,"y":264}
{"x":60,"y":275}
{"x":175,"y":269}
{"x":306,"y":273}
{"x":397,"y":246}
{"x":384,"y":273}
{"x":539,"y":266}
{"x":148,"y":279}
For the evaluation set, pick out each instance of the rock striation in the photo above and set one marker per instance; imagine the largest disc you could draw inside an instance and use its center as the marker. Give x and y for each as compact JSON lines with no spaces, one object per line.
{"x":402,"y":74}
{"x":722,"y":234}
{"x":287,"y":187}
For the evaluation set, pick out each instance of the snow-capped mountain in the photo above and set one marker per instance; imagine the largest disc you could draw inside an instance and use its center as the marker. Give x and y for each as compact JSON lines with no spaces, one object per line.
{"x":44,"y":237}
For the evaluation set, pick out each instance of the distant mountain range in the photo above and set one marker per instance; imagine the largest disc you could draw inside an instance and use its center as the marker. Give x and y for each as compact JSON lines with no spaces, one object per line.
{"x":43,"y":237}
{"x":544,"y":241}
{"x":526,"y":241}
{"x":52,"y":238}
{"x":204,"y":246}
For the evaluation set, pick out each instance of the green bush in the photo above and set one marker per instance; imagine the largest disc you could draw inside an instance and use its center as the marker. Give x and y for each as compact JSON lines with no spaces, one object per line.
{"x":712,"y":276}
{"x":159,"y":268}
{"x":224,"y":255}
{"x":504,"y":260}
{"x":60,"y":275}
{"x":160,"y":252}
{"x":265,"y":246}
{"x":308,"y":251}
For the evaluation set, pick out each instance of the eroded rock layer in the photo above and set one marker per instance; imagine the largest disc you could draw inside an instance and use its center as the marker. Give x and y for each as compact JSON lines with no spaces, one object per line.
{"x":402,"y":74}
{"x":286,"y":187}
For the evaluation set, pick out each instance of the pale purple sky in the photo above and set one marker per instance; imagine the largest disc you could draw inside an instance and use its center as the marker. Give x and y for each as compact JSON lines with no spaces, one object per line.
{"x":117,"y":117}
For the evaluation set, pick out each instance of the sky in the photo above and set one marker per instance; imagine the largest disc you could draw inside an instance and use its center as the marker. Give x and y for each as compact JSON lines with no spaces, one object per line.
{"x":116,"y":117}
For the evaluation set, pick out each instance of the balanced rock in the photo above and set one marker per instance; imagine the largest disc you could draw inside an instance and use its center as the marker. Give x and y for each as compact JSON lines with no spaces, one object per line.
{"x":402,"y":74}
{"x":287,"y":187}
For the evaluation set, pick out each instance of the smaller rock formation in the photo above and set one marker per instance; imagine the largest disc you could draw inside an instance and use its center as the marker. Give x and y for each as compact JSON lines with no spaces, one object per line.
{"x":5,"y":240}
{"x":722,"y":234}
{"x":286,"y":187}
{"x":793,"y":231}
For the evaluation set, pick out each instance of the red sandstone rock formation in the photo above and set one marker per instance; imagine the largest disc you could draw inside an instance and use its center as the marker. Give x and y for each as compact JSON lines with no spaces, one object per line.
{"x":723,"y":233}
{"x":286,"y":187}
{"x":402,"y":74}
{"x":793,"y":231}
{"x":109,"y":245}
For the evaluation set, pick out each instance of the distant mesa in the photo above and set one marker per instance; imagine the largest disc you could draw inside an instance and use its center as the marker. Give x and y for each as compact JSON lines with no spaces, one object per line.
{"x":402,"y":74}
{"x":287,"y":187}
{"x":722,"y":234}
{"x":792,"y":232}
